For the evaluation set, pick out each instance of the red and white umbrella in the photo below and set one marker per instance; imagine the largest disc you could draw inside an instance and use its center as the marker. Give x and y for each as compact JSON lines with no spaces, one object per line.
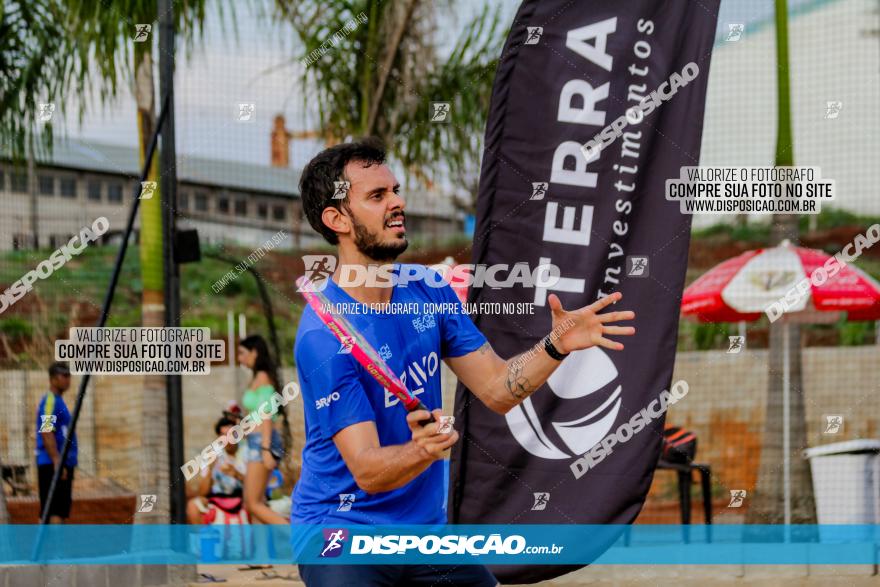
{"x":744,"y":287}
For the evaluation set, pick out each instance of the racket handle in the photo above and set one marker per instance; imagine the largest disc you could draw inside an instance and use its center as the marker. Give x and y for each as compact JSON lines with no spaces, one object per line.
{"x":421,"y":406}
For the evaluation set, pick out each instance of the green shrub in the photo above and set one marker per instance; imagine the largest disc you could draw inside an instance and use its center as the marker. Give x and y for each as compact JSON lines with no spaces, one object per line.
{"x":16,"y":327}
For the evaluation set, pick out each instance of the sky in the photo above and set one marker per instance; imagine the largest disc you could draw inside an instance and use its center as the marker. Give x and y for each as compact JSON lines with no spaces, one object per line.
{"x":255,"y":65}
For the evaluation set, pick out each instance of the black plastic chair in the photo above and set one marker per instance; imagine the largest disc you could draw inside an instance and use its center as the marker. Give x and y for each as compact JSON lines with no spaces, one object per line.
{"x":685,"y":480}
{"x":16,"y":476}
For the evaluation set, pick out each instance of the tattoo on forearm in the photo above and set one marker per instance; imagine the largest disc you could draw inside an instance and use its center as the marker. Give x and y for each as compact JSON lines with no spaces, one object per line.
{"x":518,"y":384}
{"x":485,"y":348}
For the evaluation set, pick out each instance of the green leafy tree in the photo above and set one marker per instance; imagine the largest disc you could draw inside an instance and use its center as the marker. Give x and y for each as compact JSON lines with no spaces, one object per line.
{"x":56,"y":50}
{"x":380,"y":70}
{"x":33,"y":67}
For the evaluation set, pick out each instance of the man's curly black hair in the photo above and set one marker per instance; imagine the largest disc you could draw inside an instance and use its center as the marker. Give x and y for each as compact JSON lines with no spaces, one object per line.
{"x":316,"y":185}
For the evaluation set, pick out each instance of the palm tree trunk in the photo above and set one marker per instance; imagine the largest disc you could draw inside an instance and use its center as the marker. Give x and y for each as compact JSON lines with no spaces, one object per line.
{"x":391,"y":48}
{"x":767,"y":505}
{"x":153,"y":465}
{"x":367,"y":66}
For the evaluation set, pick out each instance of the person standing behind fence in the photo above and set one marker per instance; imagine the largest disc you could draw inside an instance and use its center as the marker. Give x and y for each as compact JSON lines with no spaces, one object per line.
{"x":53,"y":424}
{"x":265,"y":447}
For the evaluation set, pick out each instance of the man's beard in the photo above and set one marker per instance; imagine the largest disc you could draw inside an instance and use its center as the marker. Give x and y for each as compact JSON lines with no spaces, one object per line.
{"x":369,"y":244}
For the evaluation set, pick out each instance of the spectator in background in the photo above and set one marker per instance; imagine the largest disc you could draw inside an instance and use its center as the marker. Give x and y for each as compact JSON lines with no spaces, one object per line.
{"x":233,"y":411}
{"x":265,"y":447}
{"x":53,"y":425}
{"x":223,"y":478}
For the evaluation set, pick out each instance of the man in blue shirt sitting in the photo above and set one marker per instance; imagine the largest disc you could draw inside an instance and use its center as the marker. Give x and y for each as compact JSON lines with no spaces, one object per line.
{"x":365,"y":461}
{"x":52,"y":426}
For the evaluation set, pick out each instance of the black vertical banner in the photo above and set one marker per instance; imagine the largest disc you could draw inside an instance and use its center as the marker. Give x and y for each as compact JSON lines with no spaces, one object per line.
{"x":634,"y":74}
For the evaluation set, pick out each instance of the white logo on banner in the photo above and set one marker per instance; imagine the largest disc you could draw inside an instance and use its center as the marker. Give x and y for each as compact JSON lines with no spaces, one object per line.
{"x":539,"y":190}
{"x":584,"y":373}
{"x":534,"y":35}
{"x":541,"y":500}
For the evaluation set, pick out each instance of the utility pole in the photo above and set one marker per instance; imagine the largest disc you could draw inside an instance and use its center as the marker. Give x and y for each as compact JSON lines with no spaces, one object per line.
{"x":168,"y":177}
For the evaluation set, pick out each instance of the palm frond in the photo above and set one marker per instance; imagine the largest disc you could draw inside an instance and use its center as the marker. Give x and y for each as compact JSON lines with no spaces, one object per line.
{"x":33,"y":68}
{"x":380,"y":77}
{"x":74,"y":52}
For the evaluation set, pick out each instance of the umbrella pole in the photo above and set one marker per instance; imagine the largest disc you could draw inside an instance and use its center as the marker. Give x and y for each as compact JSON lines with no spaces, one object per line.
{"x":786,"y":428}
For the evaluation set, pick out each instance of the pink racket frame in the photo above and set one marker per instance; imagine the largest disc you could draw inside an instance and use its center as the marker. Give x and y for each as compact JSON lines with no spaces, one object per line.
{"x":346,"y":333}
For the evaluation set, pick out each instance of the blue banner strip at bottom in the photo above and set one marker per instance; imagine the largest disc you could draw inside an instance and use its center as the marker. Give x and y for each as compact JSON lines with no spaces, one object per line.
{"x":447,"y":544}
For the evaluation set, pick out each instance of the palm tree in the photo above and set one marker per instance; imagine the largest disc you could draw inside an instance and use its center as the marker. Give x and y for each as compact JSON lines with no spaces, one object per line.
{"x":111,"y":37}
{"x":109,"y":32}
{"x":33,"y":67}
{"x":381,"y":78}
{"x":768,"y":503}
{"x":54,"y":45}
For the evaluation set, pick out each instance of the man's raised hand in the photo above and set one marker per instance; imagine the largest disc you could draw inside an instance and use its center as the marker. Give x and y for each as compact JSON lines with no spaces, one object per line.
{"x":583,"y":328}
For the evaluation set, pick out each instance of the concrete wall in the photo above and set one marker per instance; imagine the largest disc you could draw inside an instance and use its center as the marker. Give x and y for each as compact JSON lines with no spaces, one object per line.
{"x":725,"y":407}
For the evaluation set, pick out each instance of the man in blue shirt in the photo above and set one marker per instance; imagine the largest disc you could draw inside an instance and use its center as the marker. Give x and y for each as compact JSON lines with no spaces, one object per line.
{"x":52,"y":426}
{"x":365,"y":460}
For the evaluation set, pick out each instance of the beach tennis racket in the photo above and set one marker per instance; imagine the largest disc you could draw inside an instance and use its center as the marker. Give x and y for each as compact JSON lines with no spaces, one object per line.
{"x":361,"y":350}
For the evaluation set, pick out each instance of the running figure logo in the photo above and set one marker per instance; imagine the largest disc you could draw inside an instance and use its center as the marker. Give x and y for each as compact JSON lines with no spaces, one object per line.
{"x":539,"y":190}
{"x":440,"y":112}
{"x":833,"y":424}
{"x":533,"y":35}
{"x":542,"y":498}
{"x":637,"y":266}
{"x":318,"y":269}
{"x":346,"y":500}
{"x":340,"y":189}
{"x":737,"y":497}
{"x":46,"y":112}
{"x":446,"y":423}
{"x":832,"y":109}
{"x":735,"y":32}
{"x":142,"y":32}
{"x":347,"y":345}
{"x":737,"y":343}
{"x":148,"y":502}
{"x":333,"y":540}
{"x":245,"y":112}
{"x":148,"y":188}
{"x":47,"y":423}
